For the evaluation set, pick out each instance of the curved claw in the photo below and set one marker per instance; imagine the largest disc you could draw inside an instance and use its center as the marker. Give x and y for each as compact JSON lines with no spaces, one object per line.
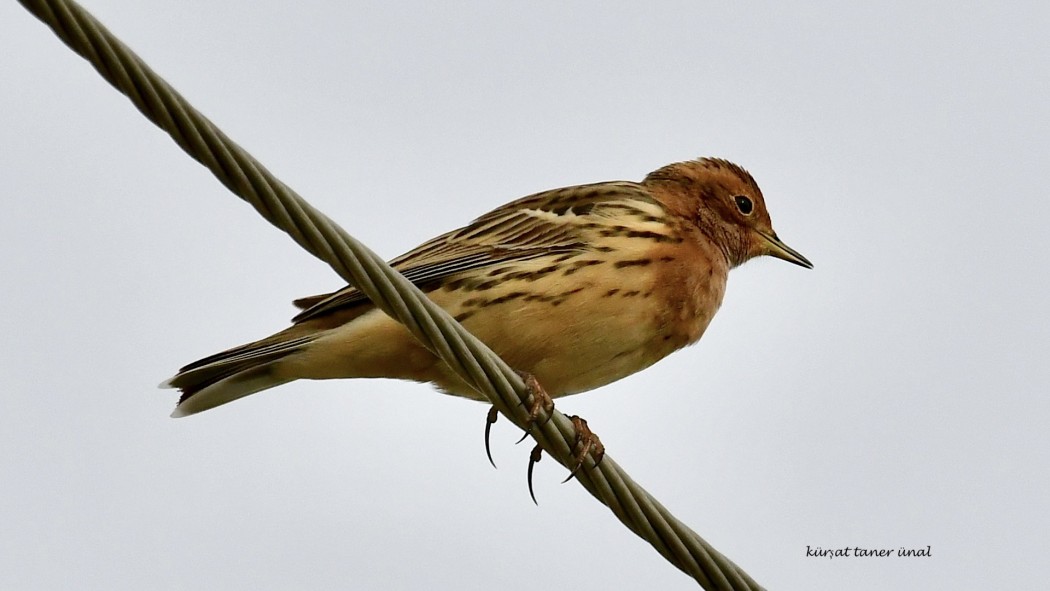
{"x":534,"y":458}
{"x":571,"y":474}
{"x":489,"y":420}
{"x":579,"y":464}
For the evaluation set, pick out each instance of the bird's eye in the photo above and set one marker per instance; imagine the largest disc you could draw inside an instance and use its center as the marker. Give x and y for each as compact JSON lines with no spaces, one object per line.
{"x":744,"y":204}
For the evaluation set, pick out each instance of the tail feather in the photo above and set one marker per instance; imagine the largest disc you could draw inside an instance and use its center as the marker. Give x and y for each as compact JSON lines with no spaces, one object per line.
{"x":232,"y":374}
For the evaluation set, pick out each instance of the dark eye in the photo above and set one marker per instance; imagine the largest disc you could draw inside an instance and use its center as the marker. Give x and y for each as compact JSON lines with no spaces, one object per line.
{"x":744,"y":204}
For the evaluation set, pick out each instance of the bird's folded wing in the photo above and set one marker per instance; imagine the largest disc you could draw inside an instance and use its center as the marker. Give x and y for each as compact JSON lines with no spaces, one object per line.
{"x":546,"y":223}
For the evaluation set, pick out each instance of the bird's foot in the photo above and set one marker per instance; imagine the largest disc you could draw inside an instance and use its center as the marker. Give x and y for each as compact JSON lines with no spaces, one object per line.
{"x":539,"y":403}
{"x":586,"y":443}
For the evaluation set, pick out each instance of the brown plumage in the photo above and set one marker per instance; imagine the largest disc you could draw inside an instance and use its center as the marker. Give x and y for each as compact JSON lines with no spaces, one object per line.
{"x":579,"y":286}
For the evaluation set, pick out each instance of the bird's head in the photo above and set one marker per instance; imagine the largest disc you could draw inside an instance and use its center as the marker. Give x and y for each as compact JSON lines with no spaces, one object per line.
{"x":726,"y":204}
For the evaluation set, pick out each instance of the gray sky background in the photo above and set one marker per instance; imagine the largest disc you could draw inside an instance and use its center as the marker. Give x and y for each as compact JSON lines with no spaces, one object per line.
{"x":894,"y":396}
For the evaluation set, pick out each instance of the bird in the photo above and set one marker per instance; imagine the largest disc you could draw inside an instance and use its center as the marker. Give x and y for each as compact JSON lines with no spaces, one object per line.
{"x":577,"y":287}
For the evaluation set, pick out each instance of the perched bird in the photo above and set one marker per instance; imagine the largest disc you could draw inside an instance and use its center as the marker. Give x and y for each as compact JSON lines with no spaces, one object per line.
{"x":579,"y":287}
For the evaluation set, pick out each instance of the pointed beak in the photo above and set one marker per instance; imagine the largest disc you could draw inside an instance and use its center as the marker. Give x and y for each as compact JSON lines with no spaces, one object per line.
{"x":783,"y":251}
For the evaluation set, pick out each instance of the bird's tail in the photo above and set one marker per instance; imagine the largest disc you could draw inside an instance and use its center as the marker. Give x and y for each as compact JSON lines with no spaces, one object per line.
{"x":234,"y":373}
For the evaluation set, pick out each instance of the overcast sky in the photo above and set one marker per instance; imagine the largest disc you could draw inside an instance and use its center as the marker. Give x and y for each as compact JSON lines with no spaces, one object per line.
{"x":893,"y":396}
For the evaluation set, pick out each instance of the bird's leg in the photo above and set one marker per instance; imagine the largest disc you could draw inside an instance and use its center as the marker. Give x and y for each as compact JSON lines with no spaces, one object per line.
{"x":539,"y":402}
{"x":586,"y":443}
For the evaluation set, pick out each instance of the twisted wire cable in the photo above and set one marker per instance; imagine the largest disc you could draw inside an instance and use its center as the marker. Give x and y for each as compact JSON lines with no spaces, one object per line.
{"x":390,"y":291}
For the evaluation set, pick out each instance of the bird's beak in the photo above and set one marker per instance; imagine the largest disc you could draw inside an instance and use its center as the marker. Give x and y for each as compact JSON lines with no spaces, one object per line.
{"x":783,"y":251}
